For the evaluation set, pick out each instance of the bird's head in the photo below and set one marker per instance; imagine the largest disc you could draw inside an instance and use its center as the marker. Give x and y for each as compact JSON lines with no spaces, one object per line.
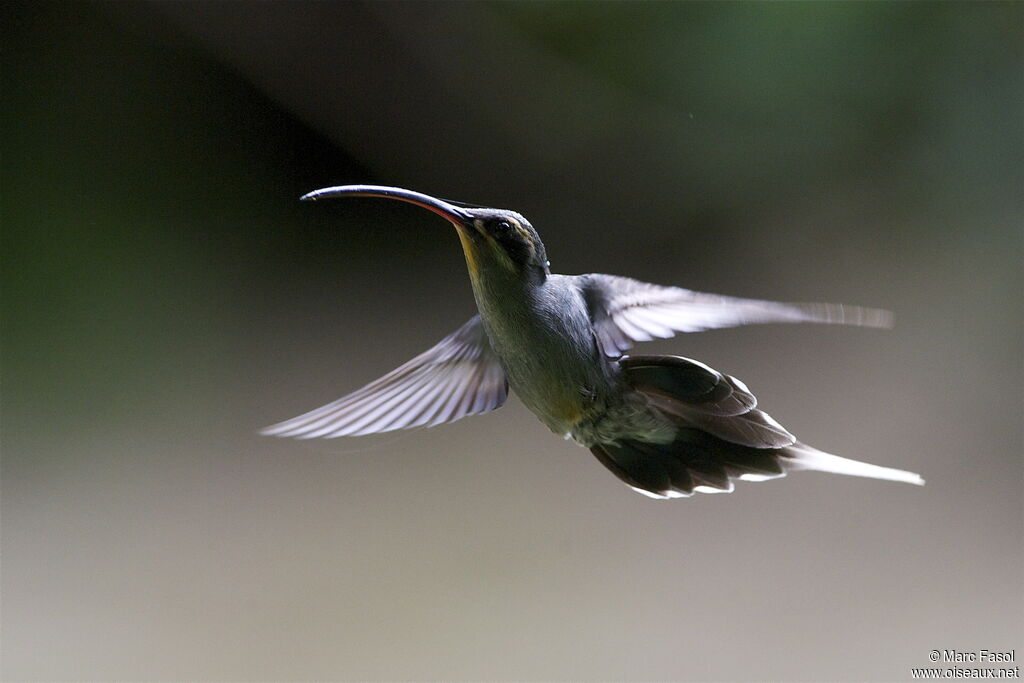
{"x":495,"y":241}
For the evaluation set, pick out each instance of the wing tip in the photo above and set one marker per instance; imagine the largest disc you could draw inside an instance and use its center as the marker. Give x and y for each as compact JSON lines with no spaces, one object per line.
{"x":272,"y":430}
{"x":859,"y":316}
{"x":878,"y":318}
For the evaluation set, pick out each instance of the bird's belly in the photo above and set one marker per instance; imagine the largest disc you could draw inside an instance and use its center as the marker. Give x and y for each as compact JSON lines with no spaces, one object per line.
{"x":559,"y":396}
{"x":547,"y":346}
{"x":555,"y":376}
{"x":589,"y":407}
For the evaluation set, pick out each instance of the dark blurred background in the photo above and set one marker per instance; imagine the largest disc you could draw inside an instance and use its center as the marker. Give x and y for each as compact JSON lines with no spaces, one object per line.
{"x":164,"y":295}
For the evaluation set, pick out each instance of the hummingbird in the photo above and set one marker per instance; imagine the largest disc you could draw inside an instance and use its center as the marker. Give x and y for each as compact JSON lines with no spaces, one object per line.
{"x":666,"y":425}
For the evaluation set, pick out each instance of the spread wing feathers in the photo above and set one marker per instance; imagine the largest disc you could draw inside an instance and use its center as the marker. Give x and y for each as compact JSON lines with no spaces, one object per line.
{"x":721,"y":436}
{"x":459,"y":376}
{"x":626,"y":311}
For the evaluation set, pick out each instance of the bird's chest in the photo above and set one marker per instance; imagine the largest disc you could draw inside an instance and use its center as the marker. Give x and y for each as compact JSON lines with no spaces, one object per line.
{"x":549,"y":358}
{"x":561,"y":393}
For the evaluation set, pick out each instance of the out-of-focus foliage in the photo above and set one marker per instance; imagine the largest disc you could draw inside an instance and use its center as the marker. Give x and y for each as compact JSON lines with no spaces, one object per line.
{"x":786,"y":91}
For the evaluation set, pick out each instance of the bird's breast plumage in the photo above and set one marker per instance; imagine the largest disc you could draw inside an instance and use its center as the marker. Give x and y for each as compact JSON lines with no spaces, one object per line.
{"x":547,"y":345}
{"x":543,"y":337}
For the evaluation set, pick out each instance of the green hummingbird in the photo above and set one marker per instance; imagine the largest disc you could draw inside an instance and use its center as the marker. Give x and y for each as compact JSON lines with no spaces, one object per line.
{"x":667,"y":426}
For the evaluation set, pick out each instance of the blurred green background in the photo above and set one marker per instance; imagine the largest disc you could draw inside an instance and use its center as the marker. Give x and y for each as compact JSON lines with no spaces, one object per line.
{"x":164,"y":295}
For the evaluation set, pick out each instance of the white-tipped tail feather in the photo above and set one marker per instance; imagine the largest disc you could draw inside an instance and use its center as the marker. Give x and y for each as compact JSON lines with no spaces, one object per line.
{"x":803,"y":457}
{"x":721,"y":437}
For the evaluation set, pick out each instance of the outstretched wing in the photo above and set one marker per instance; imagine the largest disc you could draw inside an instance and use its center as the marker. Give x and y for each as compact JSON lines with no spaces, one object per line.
{"x":459,"y":376}
{"x":626,"y":311}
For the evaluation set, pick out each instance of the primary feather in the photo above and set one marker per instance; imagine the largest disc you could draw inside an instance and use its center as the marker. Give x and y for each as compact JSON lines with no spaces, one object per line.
{"x":627,"y":311}
{"x":459,"y":376}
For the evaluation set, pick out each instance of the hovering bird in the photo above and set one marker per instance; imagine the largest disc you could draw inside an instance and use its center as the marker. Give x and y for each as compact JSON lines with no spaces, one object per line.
{"x":667,"y":426}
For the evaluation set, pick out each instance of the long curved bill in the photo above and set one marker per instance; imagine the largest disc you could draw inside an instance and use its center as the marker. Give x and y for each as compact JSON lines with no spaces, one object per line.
{"x":453,"y":213}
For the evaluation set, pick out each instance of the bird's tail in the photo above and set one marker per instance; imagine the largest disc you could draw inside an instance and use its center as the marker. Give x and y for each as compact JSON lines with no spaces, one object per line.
{"x":800,"y":456}
{"x":721,"y":436}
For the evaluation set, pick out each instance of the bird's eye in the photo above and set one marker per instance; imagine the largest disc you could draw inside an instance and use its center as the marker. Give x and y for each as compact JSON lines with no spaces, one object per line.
{"x":503,"y":227}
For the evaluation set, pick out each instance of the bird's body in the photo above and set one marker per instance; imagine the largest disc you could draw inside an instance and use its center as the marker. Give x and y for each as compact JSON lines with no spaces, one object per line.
{"x":666,"y":425}
{"x":548,"y":349}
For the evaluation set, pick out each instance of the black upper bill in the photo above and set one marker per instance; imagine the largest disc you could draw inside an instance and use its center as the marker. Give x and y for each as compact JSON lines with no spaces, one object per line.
{"x":442,"y":208}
